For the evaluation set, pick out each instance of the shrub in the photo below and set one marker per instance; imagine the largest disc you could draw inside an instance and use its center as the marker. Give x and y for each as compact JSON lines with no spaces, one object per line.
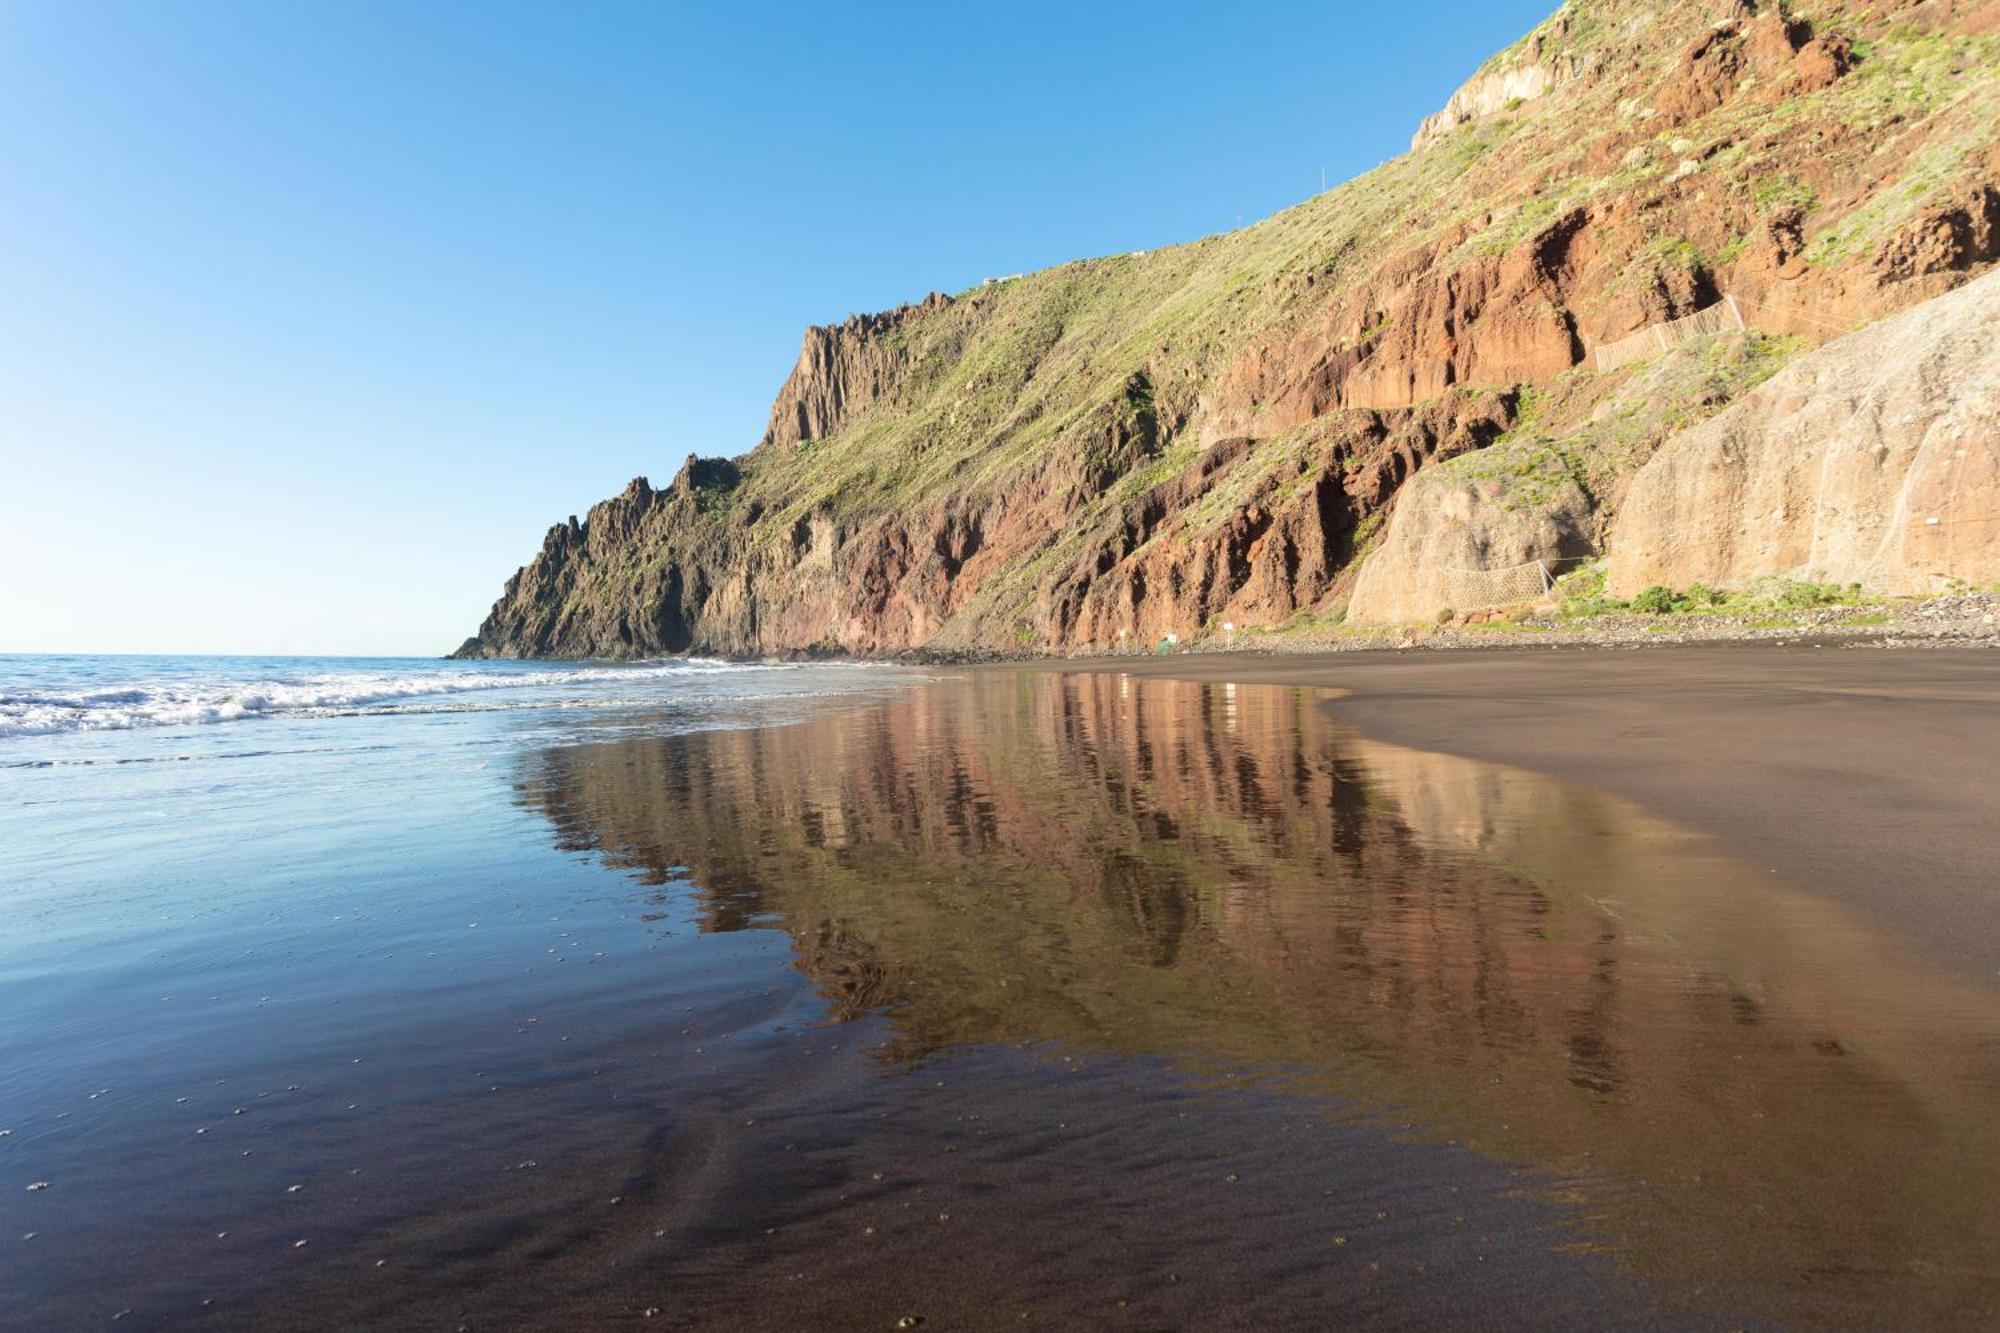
{"x":1795,"y":596}
{"x":1581,"y":593}
{"x":1776,"y":192}
{"x":1656,"y":601}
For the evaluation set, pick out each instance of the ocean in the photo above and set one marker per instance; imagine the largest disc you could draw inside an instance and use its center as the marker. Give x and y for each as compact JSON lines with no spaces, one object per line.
{"x":266,"y":915}
{"x":409,"y":994}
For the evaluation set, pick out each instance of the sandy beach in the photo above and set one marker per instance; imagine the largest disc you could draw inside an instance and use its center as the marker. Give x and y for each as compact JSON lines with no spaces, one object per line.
{"x":1866,"y":773}
{"x":1453,"y":991}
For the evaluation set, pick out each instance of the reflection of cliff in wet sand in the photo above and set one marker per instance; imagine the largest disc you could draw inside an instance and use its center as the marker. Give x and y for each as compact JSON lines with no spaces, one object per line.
{"x":1742,"y":1083}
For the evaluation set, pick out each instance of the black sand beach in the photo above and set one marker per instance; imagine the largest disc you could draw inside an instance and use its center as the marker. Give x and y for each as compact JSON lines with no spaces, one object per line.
{"x":1144,"y":1023}
{"x":1869,"y":775}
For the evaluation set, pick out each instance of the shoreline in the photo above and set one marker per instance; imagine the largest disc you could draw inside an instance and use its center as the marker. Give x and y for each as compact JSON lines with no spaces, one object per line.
{"x":1774,"y":962}
{"x":1862,"y":775}
{"x":1948,"y":620}
{"x":1970,"y":619}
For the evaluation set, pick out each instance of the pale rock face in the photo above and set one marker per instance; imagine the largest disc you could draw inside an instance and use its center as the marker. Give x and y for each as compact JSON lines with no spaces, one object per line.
{"x":1483,"y":96}
{"x":1873,"y":460}
{"x":1466,"y":543}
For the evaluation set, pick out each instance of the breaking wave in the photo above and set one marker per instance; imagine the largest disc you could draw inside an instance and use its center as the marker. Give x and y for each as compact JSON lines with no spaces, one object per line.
{"x":125,"y":706}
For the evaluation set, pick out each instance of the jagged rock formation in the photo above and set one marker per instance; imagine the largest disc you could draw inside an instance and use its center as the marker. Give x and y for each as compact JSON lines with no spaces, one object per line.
{"x":841,"y":370}
{"x":1223,"y":432}
{"x":1875,"y":460}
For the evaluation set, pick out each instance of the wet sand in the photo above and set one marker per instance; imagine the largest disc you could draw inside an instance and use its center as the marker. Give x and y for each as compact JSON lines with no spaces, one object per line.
{"x":1871,"y":775}
{"x":1166,"y":1004}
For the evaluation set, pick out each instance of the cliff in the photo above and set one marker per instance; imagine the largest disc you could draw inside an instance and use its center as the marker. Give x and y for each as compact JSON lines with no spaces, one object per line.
{"x":1339,"y":409}
{"x":1875,"y":460}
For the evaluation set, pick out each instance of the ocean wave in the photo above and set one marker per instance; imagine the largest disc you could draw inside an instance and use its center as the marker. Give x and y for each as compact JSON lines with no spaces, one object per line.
{"x":125,"y":706}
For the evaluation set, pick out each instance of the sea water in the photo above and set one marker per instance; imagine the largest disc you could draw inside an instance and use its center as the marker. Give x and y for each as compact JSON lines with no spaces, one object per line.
{"x":260,"y":917}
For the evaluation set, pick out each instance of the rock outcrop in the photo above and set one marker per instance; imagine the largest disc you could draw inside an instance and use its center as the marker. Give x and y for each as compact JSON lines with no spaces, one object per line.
{"x":842,"y":369}
{"x":1464,"y":542}
{"x":1246,"y":429}
{"x":1539,"y":64}
{"x":1486,"y":95}
{"x":1874,"y":460}
{"x":1785,"y":56}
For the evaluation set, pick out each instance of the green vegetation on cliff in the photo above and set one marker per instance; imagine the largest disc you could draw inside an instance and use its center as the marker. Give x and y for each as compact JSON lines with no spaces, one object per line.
{"x":1156,"y":442}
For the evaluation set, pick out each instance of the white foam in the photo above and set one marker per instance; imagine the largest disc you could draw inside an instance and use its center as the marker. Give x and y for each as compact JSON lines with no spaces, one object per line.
{"x":126,"y":706}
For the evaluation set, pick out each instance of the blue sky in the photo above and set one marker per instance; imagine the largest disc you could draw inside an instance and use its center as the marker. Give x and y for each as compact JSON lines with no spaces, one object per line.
{"x":314,"y":317}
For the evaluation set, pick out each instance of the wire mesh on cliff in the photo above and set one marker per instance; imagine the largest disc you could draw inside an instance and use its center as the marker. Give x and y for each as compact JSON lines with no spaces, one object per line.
{"x":1483,"y":589}
{"x":1725,"y":316}
{"x":1475,"y":589}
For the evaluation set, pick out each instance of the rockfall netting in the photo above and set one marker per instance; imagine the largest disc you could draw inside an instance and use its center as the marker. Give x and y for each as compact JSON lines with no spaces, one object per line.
{"x":1725,"y":316}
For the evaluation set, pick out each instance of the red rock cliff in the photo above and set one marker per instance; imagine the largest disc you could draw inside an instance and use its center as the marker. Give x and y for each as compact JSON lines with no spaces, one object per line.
{"x":1216,"y":433}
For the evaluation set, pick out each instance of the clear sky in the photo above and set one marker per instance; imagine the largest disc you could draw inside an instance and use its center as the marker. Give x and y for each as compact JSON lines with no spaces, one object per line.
{"x":314,"y":317}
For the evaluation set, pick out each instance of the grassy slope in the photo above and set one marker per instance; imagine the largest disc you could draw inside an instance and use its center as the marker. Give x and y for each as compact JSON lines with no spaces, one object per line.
{"x":1015,"y":366}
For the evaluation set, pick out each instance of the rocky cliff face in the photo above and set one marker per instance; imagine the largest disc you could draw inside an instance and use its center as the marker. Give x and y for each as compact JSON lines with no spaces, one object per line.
{"x":1248,"y":428}
{"x":1875,"y":460}
{"x":1492,"y":528}
{"x":842,"y":370}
